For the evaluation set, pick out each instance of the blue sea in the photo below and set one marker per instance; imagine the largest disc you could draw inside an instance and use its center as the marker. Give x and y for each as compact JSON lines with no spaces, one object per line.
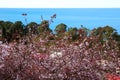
{"x":72,"y":17}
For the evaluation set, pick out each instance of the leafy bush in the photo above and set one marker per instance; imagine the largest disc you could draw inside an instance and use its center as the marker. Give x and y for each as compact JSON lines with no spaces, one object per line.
{"x":76,"y":61}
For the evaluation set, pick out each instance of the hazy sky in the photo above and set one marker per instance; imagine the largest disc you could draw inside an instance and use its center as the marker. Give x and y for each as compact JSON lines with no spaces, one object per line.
{"x":59,"y":3}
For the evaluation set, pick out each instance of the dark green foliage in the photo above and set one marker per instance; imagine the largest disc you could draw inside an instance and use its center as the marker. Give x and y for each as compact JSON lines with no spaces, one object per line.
{"x":10,"y":30}
{"x":6,"y":30}
{"x":44,"y":27}
{"x":17,"y":28}
{"x":60,"y":28}
{"x":14,"y":31}
{"x":104,"y":33}
{"x":32,"y":27}
{"x":73,"y":33}
{"x":1,"y":24}
{"x":116,"y":36}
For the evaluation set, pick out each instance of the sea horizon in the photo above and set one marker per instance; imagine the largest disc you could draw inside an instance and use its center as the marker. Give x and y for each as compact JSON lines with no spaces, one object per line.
{"x":73,"y":17}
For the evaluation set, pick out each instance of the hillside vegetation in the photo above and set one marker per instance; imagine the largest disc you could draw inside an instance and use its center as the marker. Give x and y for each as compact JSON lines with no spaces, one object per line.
{"x":36,"y":52}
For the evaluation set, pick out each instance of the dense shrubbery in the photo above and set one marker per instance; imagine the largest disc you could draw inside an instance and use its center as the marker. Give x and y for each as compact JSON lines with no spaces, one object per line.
{"x":87,"y":59}
{"x":76,"y":54}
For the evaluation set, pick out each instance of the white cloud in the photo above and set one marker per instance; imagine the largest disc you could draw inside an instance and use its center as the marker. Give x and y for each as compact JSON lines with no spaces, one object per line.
{"x":59,"y":3}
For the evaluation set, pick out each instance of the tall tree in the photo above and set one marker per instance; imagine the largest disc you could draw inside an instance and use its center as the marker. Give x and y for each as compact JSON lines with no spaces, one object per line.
{"x":6,"y":30}
{"x":17,"y":29}
{"x":104,"y":33}
{"x":44,"y":27}
{"x":32,"y":26}
{"x":73,"y":33}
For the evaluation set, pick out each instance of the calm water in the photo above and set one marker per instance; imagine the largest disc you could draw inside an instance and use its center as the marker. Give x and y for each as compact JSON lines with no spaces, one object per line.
{"x":73,"y":17}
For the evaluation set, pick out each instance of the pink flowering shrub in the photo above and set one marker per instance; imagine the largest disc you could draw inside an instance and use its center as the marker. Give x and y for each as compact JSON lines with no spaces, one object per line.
{"x":112,"y":77}
{"x":82,"y":60}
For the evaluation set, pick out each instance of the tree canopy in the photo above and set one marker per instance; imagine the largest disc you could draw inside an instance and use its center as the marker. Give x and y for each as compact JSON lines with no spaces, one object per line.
{"x":13,"y":30}
{"x":61,"y":28}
